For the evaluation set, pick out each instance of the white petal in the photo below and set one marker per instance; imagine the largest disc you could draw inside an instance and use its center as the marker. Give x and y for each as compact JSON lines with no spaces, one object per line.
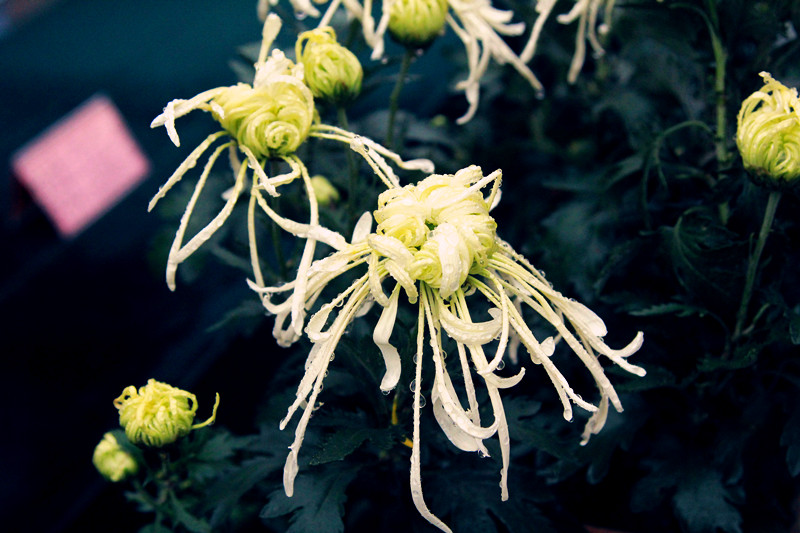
{"x":381,"y":334}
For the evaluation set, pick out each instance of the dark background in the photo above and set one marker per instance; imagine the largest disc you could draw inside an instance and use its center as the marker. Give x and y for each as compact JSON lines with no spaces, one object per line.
{"x":85,"y":317}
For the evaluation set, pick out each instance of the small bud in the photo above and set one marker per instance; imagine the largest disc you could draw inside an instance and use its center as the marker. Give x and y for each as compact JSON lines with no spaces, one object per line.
{"x":768,"y":135}
{"x":324,"y":190}
{"x":113,"y":461}
{"x":332,"y":72}
{"x":158,"y":414}
{"x":416,"y":23}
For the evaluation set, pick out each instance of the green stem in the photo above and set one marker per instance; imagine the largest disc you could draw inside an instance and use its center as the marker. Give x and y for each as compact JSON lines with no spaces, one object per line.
{"x":394,"y":99}
{"x":351,"y":165}
{"x":752,"y":267}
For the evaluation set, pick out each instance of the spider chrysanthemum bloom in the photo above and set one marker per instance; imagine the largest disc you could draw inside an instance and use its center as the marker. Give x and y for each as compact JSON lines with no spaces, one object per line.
{"x":158,"y":414}
{"x":332,"y":72}
{"x":114,"y":462}
{"x":586,"y":12}
{"x":269,"y":119}
{"x":436,"y":243}
{"x":768,"y":134}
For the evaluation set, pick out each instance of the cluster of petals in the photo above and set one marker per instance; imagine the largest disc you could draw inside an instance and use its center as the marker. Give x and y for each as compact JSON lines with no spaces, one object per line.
{"x":269,"y":119}
{"x":436,"y":243}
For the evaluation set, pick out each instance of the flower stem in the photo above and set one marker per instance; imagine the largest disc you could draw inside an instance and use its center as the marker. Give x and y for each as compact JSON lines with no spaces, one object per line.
{"x":351,"y":165}
{"x":752,"y":267}
{"x":394,"y":99}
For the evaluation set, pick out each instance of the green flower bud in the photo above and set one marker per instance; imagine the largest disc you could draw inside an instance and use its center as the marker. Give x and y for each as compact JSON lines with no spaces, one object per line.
{"x":332,"y":72}
{"x":158,"y":414}
{"x":324,"y":190}
{"x":416,"y":23}
{"x":768,"y":134}
{"x":113,"y":461}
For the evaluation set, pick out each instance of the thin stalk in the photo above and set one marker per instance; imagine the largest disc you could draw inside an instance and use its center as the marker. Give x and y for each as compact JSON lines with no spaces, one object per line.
{"x":394,"y":99}
{"x":351,"y":165}
{"x":752,"y":267}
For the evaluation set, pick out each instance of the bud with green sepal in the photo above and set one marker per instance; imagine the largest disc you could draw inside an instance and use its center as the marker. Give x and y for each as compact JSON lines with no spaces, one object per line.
{"x":332,"y":72}
{"x":416,"y":23}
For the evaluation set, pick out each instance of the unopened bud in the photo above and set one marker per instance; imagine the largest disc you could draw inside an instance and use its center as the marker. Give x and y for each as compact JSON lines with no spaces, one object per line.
{"x":114,"y":462}
{"x":416,"y":23}
{"x":332,"y":72}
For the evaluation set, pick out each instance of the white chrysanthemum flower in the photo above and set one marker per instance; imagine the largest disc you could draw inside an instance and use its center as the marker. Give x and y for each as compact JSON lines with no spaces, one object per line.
{"x":269,"y":119}
{"x":436,"y":243}
{"x":586,"y":13}
{"x":477,"y":23}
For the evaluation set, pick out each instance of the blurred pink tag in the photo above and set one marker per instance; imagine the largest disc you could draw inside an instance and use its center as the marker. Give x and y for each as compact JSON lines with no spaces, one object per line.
{"x":82,"y":165}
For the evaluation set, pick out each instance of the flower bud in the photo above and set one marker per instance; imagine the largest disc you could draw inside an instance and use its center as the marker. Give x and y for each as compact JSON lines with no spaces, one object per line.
{"x":416,"y":23}
{"x":324,"y":190}
{"x":113,"y":461}
{"x":332,"y":72}
{"x":768,"y":134}
{"x":158,"y":414}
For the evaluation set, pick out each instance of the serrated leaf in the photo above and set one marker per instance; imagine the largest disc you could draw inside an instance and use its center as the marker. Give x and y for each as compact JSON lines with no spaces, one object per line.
{"x":680,"y":310}
{"x":339,"y":445}
{"x":702,"y":501}
{"x":742,"y":358}
{"x":468,"y":499}
{"x":794,"y":327}
{"x":791,"y":439}
{"x":223,"y":495}
{"x":318,"y":501}
{"x":523,"y":427}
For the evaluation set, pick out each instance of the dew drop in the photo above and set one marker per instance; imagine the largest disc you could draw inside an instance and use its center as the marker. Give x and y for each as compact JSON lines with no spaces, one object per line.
{"x":422,"y":402}
{"x":413,"y":386}
{"x":300,"y":15}
{"x":385,"y":392}
{"x":501,"y":365}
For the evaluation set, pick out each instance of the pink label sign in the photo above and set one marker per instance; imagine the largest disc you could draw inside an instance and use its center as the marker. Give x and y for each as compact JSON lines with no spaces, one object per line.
{"x":82,"y":165}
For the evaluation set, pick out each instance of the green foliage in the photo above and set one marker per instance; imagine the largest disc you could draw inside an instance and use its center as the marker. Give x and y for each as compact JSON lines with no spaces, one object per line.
{"x":318,"y":502}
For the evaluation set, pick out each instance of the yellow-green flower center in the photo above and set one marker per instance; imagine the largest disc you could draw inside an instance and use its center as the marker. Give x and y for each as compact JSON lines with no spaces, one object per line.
{"x":445,"y":225}
{"x":271,"y":120}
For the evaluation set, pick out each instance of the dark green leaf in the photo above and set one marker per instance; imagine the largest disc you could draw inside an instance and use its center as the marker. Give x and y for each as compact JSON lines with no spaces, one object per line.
{"x":791,"y":439}
{"x":189,"y":521}
{"x":794,"y":327}
{"x":318,"y":501}
{"x":703,"y":502}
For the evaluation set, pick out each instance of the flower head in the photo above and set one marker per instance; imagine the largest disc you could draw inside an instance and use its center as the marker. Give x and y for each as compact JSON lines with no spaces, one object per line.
{"x":768,"y":134}
{"x":436,"y":242}
{"x":332,"y":72}
{"x":114,"y":462}
{"x":158,"y":414}
{"x":269,"y":119}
